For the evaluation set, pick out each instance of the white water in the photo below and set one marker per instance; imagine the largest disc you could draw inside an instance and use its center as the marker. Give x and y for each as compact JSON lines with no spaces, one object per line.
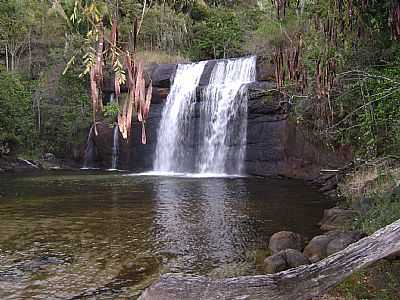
{"x":223,"y":117}
{"x":216,"y":146}
{"x":172,"y":153}
{"x":89,"y":150}
{"x":115,"y":148}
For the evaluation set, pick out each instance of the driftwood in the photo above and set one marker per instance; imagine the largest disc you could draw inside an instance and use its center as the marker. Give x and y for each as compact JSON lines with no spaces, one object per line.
{"x":303,"y":282}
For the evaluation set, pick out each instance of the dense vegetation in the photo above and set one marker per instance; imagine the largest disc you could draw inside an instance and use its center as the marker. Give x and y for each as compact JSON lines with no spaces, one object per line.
{"x":337,"y":61}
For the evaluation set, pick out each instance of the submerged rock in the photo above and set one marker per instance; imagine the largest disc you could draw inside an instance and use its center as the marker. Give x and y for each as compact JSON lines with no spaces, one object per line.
{"x":286,"y":240}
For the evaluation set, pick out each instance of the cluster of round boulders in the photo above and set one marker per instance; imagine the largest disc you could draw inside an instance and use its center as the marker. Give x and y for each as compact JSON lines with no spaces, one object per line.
{"x":286,"y":247}
{"x":289,"y":250}
{"x":325,"y":245}
{"x":286,"y":240}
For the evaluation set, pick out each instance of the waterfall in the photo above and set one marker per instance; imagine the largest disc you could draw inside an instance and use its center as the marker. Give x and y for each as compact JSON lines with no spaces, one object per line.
{"x":173,"y":141}
{"x":214,"y":143}
{"x":115,"y":148}
{"x":88,"y":159}
{"x":223,"y":117}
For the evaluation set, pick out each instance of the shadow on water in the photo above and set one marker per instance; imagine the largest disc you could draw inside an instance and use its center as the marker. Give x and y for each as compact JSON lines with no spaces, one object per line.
{"x":102,"y":235}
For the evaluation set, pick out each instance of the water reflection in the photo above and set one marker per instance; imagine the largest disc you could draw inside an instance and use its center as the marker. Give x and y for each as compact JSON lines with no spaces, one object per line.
{"x":203,"y":223}
{"x":102,"y":235}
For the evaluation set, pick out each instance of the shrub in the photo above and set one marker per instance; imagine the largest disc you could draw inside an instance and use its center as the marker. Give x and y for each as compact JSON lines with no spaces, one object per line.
{"x":16,"y":117}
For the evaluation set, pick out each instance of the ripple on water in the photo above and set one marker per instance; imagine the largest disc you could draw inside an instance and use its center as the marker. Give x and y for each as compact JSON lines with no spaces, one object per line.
{"x":71,"y":235}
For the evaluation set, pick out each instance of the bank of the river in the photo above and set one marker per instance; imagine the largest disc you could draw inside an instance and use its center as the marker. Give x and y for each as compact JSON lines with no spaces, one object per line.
{"x":14,"y":164}
{"x":370,"y":194}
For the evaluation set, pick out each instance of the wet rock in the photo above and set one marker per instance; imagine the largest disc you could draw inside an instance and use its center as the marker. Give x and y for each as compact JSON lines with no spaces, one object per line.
{"x":286,"y":240}
{"x":49,"y":156}
{"x":205,"y":77}
{"x":337,"y":219}
{"x":341,"y":240}
{"x":162,"y":75}
{"x":284,"y":260}
{"x":329,"y":186}
{"x":295,"y":258}
{"x":265,"y":69}
{"x":275,"y":263}
{"x":316,"y":248}
{"x":159,"y":95}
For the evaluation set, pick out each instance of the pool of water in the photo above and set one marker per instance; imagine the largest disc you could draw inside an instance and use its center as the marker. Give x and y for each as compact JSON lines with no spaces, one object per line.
{"x":105,"y":235}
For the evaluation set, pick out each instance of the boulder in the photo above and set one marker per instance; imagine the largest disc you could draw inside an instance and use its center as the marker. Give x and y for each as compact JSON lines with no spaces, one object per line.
{"x":159,"y":95}
{"x":284,"y":260}
{"x":162,"y":75}
{"x":316,"y":248}
{"x":265,"y":69}
{"x":286,"y":240}
{"x":295,"y":258}
{"x":49,"y":156}
{"x":341,"y":240}
{"x":337,"y":219}
{"x":275,"y":263}
{"x":205,"y":77}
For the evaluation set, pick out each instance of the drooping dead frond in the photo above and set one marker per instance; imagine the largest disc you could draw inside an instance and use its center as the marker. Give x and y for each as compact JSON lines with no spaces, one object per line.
{"x":395,"y":20}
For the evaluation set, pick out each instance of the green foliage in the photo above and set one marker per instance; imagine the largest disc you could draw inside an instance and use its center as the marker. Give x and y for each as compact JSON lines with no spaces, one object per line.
{"x":16,"y":117}
{"x":380,"y":281}
{"x":65,"y":117}
{"x":372,"y":111}
{"x":386,"y":210}
{"x":111,"y":111}
{"x":163,"y":29}
{"x":218,"y":36}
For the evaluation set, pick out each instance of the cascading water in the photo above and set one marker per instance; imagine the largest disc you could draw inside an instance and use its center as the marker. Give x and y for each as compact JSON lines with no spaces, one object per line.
{"x":223,"y":116}
{"x":221,"y":132}
{"x":115,"y":148}
{"x":88,"y":159}
{"x":173,"y":141}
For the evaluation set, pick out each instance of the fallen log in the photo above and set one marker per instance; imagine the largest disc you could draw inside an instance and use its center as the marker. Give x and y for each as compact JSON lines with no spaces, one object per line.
{"x":300,"y":283}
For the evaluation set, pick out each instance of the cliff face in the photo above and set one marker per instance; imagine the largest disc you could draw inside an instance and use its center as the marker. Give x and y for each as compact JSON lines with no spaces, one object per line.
{"x":276,"y":145}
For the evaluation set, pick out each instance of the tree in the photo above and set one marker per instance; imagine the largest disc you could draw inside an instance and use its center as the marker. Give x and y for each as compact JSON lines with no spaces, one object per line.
{"x":16,"y":22}
{"x":218,"y":36}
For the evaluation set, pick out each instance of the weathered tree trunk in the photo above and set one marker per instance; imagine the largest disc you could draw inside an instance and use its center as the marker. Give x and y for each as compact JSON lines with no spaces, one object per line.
{"x":7,"y":63}
{"x":300,"y":283}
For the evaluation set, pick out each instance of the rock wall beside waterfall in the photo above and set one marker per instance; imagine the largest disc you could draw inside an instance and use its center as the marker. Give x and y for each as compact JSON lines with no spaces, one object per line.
{"x":276,"y":145}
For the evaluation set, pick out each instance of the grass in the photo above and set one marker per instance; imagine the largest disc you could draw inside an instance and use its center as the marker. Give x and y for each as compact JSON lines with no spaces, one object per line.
{"x":160,"y":57}
{"x":373,"y":178}
{"x":380,"y":282}
{"x":378,"y":181}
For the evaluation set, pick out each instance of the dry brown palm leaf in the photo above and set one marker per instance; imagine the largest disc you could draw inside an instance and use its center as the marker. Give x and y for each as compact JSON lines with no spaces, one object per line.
{"x":144,"y":138}
{"x":148,"y":100}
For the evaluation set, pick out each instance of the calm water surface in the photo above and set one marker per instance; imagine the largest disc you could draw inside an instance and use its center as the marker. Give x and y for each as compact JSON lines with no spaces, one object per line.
{"x":96,"y":235}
